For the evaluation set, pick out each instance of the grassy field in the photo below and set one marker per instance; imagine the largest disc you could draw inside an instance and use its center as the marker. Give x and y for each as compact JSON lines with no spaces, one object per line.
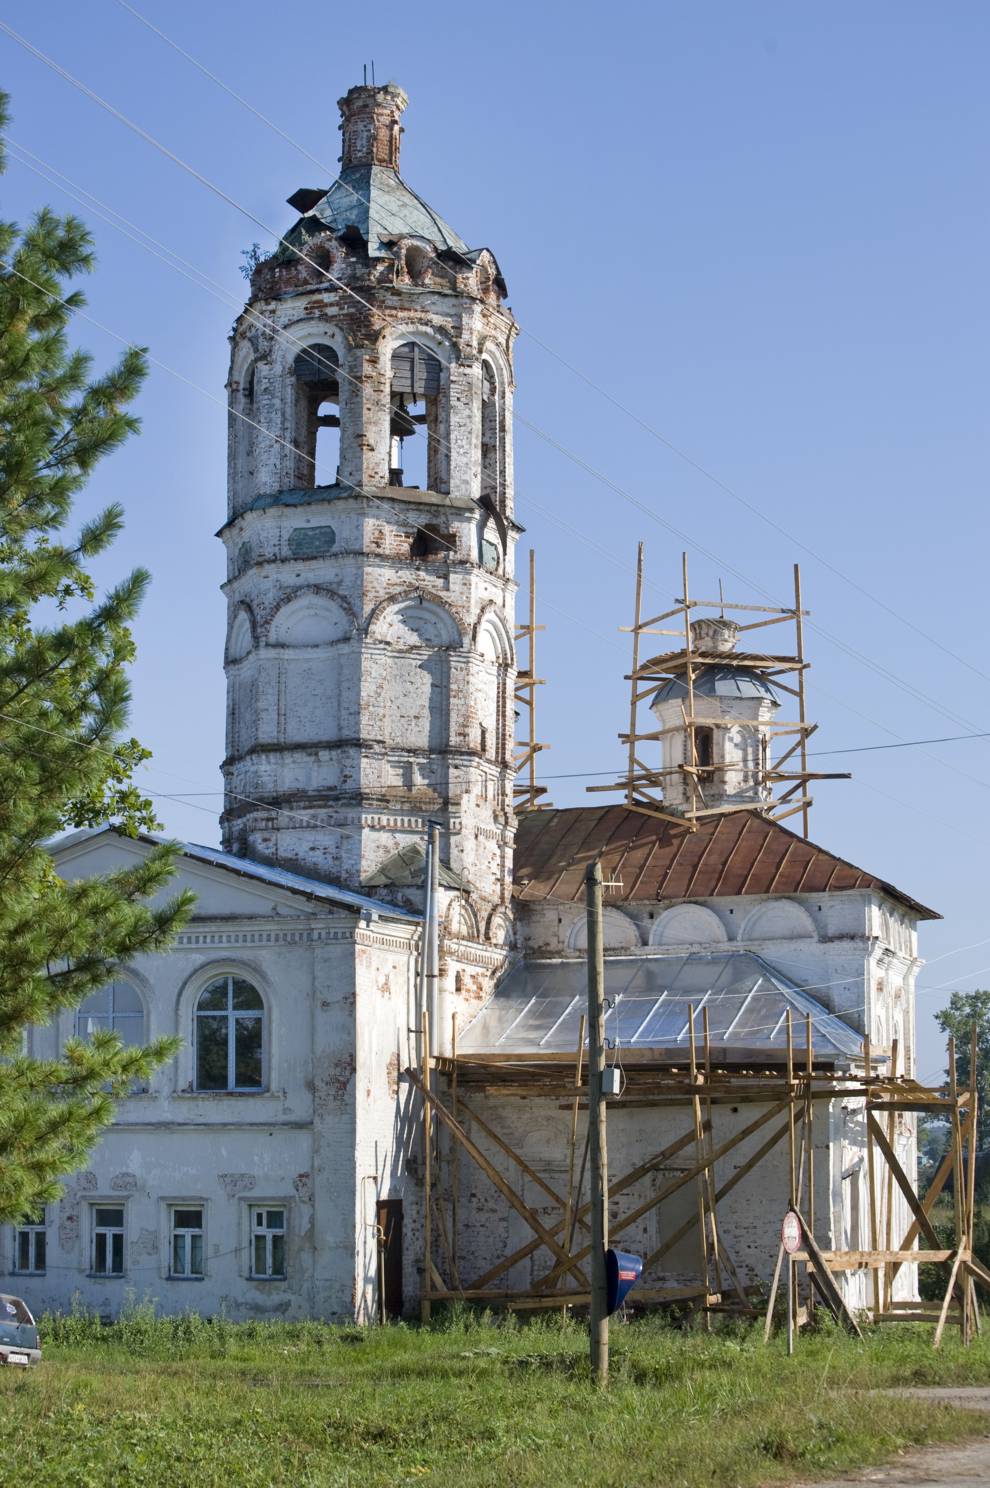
{"x":179,"y":1402}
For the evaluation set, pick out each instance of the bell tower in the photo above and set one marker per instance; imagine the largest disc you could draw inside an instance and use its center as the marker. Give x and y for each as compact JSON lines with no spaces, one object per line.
{"x":370,"y":538}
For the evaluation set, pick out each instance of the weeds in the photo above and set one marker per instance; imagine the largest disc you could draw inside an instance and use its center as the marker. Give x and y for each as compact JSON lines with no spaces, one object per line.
{"x":474,"y":1399}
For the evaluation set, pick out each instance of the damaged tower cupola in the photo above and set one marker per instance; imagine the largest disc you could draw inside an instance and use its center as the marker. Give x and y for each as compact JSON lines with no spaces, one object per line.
{"x":716,"y":725}
{"x":370,"y":536}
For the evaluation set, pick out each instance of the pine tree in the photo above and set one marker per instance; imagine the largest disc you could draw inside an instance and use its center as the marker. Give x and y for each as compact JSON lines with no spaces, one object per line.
{"x":64,"y":698}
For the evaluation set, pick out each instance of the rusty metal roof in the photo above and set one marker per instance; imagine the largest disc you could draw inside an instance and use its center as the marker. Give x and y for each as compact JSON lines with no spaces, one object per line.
{"x":736,"y":853}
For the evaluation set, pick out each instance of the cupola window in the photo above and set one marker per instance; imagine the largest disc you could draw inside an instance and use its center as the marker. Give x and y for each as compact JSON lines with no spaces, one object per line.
{"x":316,"y":376}
{"x":704,"y":751}
{"x":415,"y":418}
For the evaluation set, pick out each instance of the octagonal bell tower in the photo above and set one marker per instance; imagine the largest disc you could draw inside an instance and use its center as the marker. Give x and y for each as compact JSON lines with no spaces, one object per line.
{"x":370,"y":537}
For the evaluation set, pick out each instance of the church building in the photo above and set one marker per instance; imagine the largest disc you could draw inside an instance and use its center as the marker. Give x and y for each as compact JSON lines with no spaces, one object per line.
{"x":275,"y":1168}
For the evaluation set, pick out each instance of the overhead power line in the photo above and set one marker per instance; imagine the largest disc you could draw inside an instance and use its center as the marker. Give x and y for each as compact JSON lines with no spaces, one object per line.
{"x":603,"y":392}
{"x":116,"y":113}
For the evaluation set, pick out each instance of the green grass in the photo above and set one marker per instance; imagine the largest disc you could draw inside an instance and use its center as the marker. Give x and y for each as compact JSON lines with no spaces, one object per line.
{"x":175,"y":1402}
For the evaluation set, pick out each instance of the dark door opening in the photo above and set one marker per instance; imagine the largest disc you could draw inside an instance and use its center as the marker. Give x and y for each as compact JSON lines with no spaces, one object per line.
{"x":389,"y":1222}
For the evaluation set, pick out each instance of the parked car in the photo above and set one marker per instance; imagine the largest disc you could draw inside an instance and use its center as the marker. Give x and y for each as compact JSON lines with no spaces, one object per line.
{"x":19,"y":1343}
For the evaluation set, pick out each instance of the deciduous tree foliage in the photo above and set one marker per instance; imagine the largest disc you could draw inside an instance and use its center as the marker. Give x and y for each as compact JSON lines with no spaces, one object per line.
{"x":64,"y":696}
{"x":963,"y":1010}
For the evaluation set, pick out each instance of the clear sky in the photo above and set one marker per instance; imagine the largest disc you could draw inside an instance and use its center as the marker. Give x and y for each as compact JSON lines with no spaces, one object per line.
{"x":762,"y":229}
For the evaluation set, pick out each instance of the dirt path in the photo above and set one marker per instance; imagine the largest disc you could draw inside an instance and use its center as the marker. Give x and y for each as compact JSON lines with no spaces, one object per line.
{"x":966,"y":1466}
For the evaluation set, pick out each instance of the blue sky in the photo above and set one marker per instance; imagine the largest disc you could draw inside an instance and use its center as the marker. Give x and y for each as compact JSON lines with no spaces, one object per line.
{"x":762,"y":229}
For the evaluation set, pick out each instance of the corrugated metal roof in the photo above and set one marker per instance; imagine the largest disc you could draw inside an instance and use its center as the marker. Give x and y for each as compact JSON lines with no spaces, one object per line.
{"x":537,"y":1007}
{"x":718,"y":681}
{"x":738,"y":853}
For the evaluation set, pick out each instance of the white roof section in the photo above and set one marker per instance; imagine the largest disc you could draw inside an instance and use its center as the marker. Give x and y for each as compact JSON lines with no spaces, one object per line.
{"x":283,"y":878}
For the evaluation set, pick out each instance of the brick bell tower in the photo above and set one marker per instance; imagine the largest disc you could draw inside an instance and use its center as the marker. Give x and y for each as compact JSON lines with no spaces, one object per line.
{"x":370,"y":538}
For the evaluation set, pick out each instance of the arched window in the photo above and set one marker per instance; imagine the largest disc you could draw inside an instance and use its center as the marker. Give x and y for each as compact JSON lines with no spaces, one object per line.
{"x":230,"y":1036}
{"x":492,"y":473}
{"x":415,"y":391}
{"x":317,"y":422}
{"x":116,"y":1007}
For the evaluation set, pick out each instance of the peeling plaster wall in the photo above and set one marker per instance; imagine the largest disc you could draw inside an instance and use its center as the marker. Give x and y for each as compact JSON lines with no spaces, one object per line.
{"x":375,"y":733}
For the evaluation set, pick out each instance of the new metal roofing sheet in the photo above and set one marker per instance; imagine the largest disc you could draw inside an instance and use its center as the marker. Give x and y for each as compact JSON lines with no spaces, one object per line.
{"x":740,"y":852}
{"x":716,"y":681}
{"x":537,"y":1006}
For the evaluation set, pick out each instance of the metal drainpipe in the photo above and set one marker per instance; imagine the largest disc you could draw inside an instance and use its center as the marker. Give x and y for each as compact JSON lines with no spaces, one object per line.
{"x":433,"y":935}
{"x":424,"y":950}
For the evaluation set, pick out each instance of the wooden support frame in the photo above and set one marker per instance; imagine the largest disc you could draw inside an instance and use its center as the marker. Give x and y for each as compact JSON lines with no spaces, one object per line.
{"x":527,"y":794}
{"x":559,"y":1223}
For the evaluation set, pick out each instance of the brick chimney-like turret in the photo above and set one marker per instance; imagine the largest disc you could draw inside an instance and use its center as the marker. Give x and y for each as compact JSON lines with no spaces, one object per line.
{"x":370,"y":125}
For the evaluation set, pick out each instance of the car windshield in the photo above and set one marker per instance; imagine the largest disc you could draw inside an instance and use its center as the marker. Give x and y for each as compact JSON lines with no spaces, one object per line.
{"x":13,"y":1310}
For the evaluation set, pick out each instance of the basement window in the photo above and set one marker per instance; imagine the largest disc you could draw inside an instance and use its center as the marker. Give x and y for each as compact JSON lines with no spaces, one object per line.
{"x":186,"y":1243}
{"x":267,"y":1243}
{"x":316,"y":427}
{"x":108,"y":1239}
{"x":30,"y":1245}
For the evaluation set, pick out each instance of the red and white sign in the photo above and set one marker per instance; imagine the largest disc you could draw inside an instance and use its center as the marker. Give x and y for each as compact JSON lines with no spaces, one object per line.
{"x":790,"y":1232}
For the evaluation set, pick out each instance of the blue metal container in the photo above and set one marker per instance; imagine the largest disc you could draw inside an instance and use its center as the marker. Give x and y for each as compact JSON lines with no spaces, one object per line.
{"x":622,"y":1271}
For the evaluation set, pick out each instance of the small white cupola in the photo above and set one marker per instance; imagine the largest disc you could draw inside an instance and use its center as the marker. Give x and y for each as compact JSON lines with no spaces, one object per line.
{"x":715,"y":724}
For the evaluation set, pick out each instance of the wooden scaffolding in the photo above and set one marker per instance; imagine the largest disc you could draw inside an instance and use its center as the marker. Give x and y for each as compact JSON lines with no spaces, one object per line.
{"x":453,"y":1130}
{"x":526,"y":792}
{"x":785,"y":779}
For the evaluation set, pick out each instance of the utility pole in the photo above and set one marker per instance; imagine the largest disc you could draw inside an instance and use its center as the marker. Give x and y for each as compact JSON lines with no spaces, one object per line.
{"x":597,"y":1144}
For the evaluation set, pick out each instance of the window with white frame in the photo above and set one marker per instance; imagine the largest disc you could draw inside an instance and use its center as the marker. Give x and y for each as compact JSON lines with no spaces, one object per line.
{"x":30,"y":1245}
{"x":108,"y":1239}
{"x":230,"y":1036}
{"x":185,"y":1241}
{"x":118,"y":1008}
{"x":267,"y":1241}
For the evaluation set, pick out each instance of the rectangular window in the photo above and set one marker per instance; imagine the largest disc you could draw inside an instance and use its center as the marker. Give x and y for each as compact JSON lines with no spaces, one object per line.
{"x":186,"y":1244}
{"x":267,"y":1242}
{"x":30,"y":1241}
{"x":108,"y":1239}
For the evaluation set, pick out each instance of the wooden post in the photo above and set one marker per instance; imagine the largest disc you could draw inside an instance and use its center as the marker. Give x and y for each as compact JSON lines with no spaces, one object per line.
{"x":571,"y":1153}
{"x":597,"y":1139}
{"x":871,"y":1174}
{"x":710,"y":1172}
{"x":425,"y":1306}
{"x":792,"y":1154}
{"x":888,"y":1270}
{"x":974,"y":1312}
{"x":959,"y":1184}
{"x":455,"y":1164}
{"x":689,"y":658}
{"x":799,"y":635}
{"x":700,"y":1156}
{"x":633,"y":704}
{"x":790,"y":1111}
{"x":808,"y":1133}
